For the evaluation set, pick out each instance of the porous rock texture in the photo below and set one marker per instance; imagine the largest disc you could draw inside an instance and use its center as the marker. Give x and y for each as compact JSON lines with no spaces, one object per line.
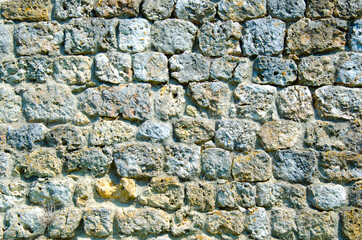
{"x":181,"y":119}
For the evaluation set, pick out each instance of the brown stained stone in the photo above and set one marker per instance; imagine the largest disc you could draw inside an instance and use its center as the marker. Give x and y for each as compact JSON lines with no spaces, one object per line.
{"x":117,"y":8}
{"x":352,"y":223}
{"x":27,"y":10}
{"x":201,"y":196}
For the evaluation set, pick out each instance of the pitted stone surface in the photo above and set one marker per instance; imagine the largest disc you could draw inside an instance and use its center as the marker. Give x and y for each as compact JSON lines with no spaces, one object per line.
{"x":10,"y":105}
{"x":257,"y":223}
{"x":287,"y":10}
{"x":241,"y":10}
{"x":65,"y":9}
{"x":27,"y":10}
{"x":117,"y":8}
{"x":355,"y":40}
{"x":327,"y":196}
{"x":216,"y":163}
{"x":5,"y":163}
{"x":98,"y":221}
{"x":150,"y":67}
{"x":11,"y":194}
{"x":319,"y":8}
{"x":317,"y":70}
{"x":26,"y":135}
{"x":348,"y":9}
{"x":196,"y":11}
{"x":352,"y":223}
{"x":64,"y":136}
{"x":170,"y":102}
{"x":154,"y":131}
{"x":229,"y":222}
{"x":157,"y":9}
{"x":39,"y":69}
{"x":6,"y":39}
{"x":233,"y":194}
{"x":201,"y":196}
{"x":13,"y":71}
{"x":231,"y":69}
{"x":113,"y":67}
{"x":282,"y":223}
{"x":134,"y":35}
{"x":65,"y":223}
{"x":349,"y":70}
{"x":190,"y":130}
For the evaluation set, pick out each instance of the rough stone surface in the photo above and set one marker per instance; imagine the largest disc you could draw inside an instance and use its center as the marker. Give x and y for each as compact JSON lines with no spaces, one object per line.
{"x":211,"y":96}
{"x":275,"y":71}
{"x":27,"y":10}
{"x":196,"y":11}
{"x":26,"y":135}
{"x":282,"y":223}
{"x":83,"y":193}
{"x":295,"y":103}
{"x":6,"y":39}
{"x":39,"y":69}
{"x":220,"y":38}
{"x":352,"y":223}
{"x":187,"y":222}
{"x":263,"y":36}
{"x":355,"y":194}
{"x":13,"y":71}
{"x":65,"y":223}
{"x":231,"y":69}
{"x":134,"y":35}
{"x":98,"y":221}
{"x":236,"y":134}
{"x":150,"y":67}
{"x":337,"y":102}
{"x":316,"y":71}
{"x":252,"y":167}
{"x":10,"y":105}
{"x":5,"y":163}
{"x":241,"y":10}
{"x":216,"y":164}
{"x":183,"y":160}
{"x":229,"y":222}
{"x":349,"y":71}
{"x":348,"y":9}
{"x":64,"y":9}
{"x":117,"y":8}
{"x":255,"y":101}
{"x":190,"y":67}
{"x":11,"y":194}
{"x":52,"y":103}
{"x":138,"y":160}
{"x":308,"y":37}
{"x":257,"y":223}
{"x":319,"y":8}
{"x":201,"y":196}
{"x":193,"y":130}
{"x":230,"y":195}
{"x":327,"y":196}
{"x":280,"y":134}
{"x":317,"y":225}
{"x":172,"y":36}
{"x":157,"y":9}
{"x":64,"y":136}
{"x":355,"y":40}
{"x":287,"y":10}
{"x":154,"y":131}
{"x":89,"y":36}
{"x":169,"y":102}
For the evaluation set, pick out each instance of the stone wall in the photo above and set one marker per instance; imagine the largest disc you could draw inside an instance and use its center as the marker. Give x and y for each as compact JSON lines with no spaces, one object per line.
{"x":181,"y":119}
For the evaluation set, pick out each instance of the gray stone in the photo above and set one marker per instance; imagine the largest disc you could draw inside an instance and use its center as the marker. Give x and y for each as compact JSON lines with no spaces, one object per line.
{"x":64,"y":135}
{"x":172,"y":36}
{"x":28,"y":10}
{"x":233,"y":194}
{"x":142,"y":222}
{"x":65,"y":223}
{"x":41,"y":162}
{"x":64,"y":9}
{"x":130,"y":101}
{"x":352,"y":138}
{"x":355,"y":194}
{"x":216,"y":164}
{"x":200,"y":196}
{"x":117,"y":8}
{"x":263,"y":36}
{"x":183,"y":160}
{"x":189,"y":67}
{"x":91,"y":160}
{"x":74,"y":71}
{"x":231,"y":69}
{"x":38,"y":38}
{"x":89,"y":36}
{"x":10,"y":105}
{"x":341,"y":166}
{"x":187,"y":222}
{"x":113,"y":67}
{"x":286,"y":9}
{"x":275,"y":71}
{"x":169,"y":102}
{"x":13,"y":71}
{"x":110,"y":132}
{"x":5,"y":163}
{"x":316,"y":71}
{"x":157,"y":9}
{"x":24,"y":223}
{"x":327,"y":196}
{"x":317,"y":225}
{"x":236,"y":134}
{"x":196,"y":11}
{"x":220,"y":38}
{"x":138,"y":160}
{"x":280,"y":194}
{"x":53,"y":192}
{"x":84,"y":192}
{"x":319,"y":8}
{"x":257,"y":223}
{"x":241,"y":11}
{"x":296,"y":166}
{"x":280,"y":134}
{"x":355,"y":40}
{"x":11,"y":193}
{"x":26,"y":135}
{"x":52,"y":103}
{"x":134,"y":35}
{"x":98,"y":221}
{"x":163,"y":192}
{"x":348,"y":9}
{"x":337,"y":102}
{"x":252,"y":167}
{"x":282,"y":223}
{"x":154,"y":131}
{"x":6,"y":39}
{"x":255,"y":102}
{"x":39,"y":69}
{"x":307,"y":37}
{"x":225,"y":222}
{"x":351,"y":223}
{"x":211,"y":96}
{"x":150,"y":67}
{"x":295,"y":103}
{"x":349,"y":69}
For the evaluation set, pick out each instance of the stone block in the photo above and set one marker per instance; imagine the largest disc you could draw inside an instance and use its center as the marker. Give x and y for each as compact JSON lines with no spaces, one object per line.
{"x":319,"y":8}
{"x":257,"y":223}
{"x":6,"y":39}
{"x":348,"y":9}
{"x":65,"y":9}
{"x":150,"y":67}
{"x":198,"y":11}
{"x":201,"y":196}
{"x":98,"y":221}
{"x":155,"y":10}
{"x":65,"y":136}
{"x":65,"y":223}
{"x":134,"y":35}
{"x":231,"y":195}
{"x":225,"y":222}
{"x":27,"y":10}
{"x":154,"y":131}
{"x":11,"y":193}
{"x":349,"y":69}
{"x":117,"y":8}
{"x":169,"y":102}
{"x":10,"y":105}
{"x":241,"y":10}
{"x":283,"y":224}
{"x":352,"y":223}
{"x":216,"y":164}
{"x":287,"y":10}
{"x":317,"y":71}
{"x":113,"y":67}
{"x":355,"y":40}
{"x":327,"y":196}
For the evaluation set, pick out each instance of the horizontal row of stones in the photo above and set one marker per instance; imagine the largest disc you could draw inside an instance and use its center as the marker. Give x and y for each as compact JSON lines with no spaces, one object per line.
{"x":264,"y":36}
{"x":192,"y":10}
{"x":167,"y":194}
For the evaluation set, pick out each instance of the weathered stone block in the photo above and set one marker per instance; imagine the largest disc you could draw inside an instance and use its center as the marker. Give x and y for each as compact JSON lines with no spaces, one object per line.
{"x":190,"y":130}
{"x":13,"y":71}
{"x":124,"y":192}
{"x":27,"y":10}
{"x":349,"y":69}
{"x":225,"y":222}
{"x":170,"y":102}
{"x":241,"y":10}
{"x":154,"y":131}
{"x":134,"y":35}
{"x":287,"y":10}
{"x":319,"y":8}
{"x":252,"y":167}
{"x":6,"y":39}
{"x":231,"y":69}
{"x":117,"y":8}
{"x":172,"y":36}
{"x":38,"y":38}
{"x":113,"y":67}
{"x":38,"y":69}
{"x":10,"y":105}
{"x":183,"y":160}
{"x":263,"y":36}
{"x":231,"y":195}
{"x":352,"y":223}
{"x":138,"y":160}
{"x":201,"y":196}
{"x":220,"y":38}
{"x":317,"y":71}
{"x":196,"y":11}
{"x":216,"y":163}
{"x":98,"y":221}
{"x":70,"y":137}
{"x":150,"y":67}
{"x":5,"y":164}
{"x":110,"y":132}
{"x":355,"y":40}
{"x":282,"y":223}
{"x":257,"y":223}
{"x":157,"y":9}
{"x":187,"y":222}
{"x":355,"y":194}
{"x":337,"y":102}
{"x":64,"y":9}
{"x":255,"y":102}
{"x":348,"y":9}
{"x":83,"y":193}
{"x":65,"y":223}
{"x":26,"y":135}
{"x":11,"y":193}
{"x":327,"y":196}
